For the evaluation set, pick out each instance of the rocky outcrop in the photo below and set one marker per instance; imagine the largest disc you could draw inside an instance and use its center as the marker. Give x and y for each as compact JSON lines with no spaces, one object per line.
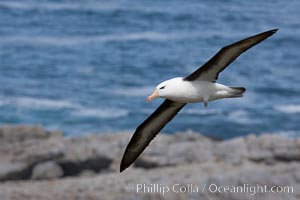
{"x":13,"y":170}
{"x":46,"y":170}
{"x":87,"y":167}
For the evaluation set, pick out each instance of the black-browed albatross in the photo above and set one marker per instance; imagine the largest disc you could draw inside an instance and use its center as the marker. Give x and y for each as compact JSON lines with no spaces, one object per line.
{"x":200,"y":86}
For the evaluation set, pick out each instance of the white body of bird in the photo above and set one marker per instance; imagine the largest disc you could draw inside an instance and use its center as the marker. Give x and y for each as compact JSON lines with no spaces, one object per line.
{"x":179,"y":90}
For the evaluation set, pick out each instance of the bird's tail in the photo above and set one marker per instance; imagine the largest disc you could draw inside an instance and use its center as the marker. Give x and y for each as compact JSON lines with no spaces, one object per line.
{"x":237,"y":92}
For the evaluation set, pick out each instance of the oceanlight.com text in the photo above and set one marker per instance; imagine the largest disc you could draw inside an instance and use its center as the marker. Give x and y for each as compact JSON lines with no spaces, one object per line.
{"x":247,"y":189}
{"x":250,"y":189}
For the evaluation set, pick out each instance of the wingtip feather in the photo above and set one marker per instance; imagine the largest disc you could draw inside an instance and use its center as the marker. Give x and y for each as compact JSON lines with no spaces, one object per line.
{"x":273,"y":30}
{"x":124,"y":163}
{"x":122,"y":168}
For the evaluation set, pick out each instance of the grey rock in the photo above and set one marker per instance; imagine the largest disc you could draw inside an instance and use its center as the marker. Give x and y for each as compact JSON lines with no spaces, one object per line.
{"x":13,"y":171}
{"x":87,"y":153}
{"x":286,"y":149}
{"x":33,"y":151}
{"x":87,"y":172}
{"x":175,"y":150}
{"x":190,"y":151}
{"x":75,"y":167}
{"x":189,"y":136}
{"x":296,"y":176}
{"x":93,"y":161}
{"x":175,"y":155}
{"x":47,"y":170}
{"x":259,"y":148}
{"x":294,"y":170}
{"x":116,"y":185}
{"x":272,"y":147}
{"x":233,"y":151}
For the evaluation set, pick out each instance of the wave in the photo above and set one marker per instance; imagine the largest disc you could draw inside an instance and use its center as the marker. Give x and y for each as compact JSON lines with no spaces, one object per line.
{"x":91,"y":5}
{"x":76,"y":109}
{"x":240,"y":116}
{"x":79,"y":40}
{"x":201,"y":112}
{"x":36,"y":103}
{"x":133,"y":91}
{"x":100,"y":113}
{"x":289,"y":133}
{"x":285,"y":133}
{"x":289,"y":108}
{"x":86,"y":6}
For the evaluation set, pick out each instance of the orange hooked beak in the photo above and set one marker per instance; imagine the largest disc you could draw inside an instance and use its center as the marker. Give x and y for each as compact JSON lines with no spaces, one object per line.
{"x":152,"y":96}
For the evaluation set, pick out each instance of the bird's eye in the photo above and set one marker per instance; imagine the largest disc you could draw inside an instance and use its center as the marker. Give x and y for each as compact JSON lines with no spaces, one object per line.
{"x":162,"y":87}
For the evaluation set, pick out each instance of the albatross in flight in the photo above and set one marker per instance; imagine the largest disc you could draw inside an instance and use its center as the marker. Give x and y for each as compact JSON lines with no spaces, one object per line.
{"x":200,"y":86}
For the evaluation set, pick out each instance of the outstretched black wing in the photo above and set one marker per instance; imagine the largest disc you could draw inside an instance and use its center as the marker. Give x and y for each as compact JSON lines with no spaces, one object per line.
{"x":148,"y":130}
{"x":211,"y":69}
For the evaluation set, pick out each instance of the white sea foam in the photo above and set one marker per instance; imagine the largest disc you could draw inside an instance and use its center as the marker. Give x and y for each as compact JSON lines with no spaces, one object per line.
{"x":289,"y":108}
{"x":289,"y":133}
{"x":239,"y":116}
{"x":78,"y":40}
{"x":76,"y":109}
{"x":36,"y":103}
{"x":134,"y":91}
{"x":92,"y":6}
{"x":201,"y":111}
{"x":285,"y":133}
{"x":100,"y":113}
{"x":86,"y":70}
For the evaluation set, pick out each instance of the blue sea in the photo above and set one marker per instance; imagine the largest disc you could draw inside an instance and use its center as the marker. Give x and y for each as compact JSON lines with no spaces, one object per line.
{"x":86,"y":66}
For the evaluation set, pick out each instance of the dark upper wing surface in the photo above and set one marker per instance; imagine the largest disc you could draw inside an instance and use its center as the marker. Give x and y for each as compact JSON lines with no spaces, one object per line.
{"x":211,"y":69}
{"x":145,"y":132}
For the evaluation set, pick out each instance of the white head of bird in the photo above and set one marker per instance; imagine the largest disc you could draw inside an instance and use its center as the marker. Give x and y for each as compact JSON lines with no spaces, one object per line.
{"x":168,"y":89}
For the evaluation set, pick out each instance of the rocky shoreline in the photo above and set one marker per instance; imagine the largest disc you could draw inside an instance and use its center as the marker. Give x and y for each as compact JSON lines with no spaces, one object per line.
{"x":40,"y":164}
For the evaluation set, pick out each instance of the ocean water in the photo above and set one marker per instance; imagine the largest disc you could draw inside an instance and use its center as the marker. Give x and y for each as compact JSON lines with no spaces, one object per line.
{"x":87,"y":66}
